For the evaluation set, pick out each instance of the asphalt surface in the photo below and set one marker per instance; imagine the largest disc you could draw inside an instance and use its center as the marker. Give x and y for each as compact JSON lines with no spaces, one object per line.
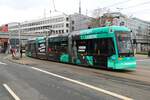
{"x":30,"y":84}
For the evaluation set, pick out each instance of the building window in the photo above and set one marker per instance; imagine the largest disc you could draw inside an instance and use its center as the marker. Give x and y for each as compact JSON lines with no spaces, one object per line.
{"x":62,"y":31}
{"x":72,"y":22}
{"x":67,"y":25}
{"x":67,"y":31}
{"x":50,"y":26}
{"x":67,"y":19}
{"x":59,"y":31}
{"x":56,"y":32}
{"x":72,"y":28}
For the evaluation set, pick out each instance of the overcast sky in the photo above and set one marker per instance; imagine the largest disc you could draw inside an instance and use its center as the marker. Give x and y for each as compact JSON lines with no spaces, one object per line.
{"x":22,"y":10}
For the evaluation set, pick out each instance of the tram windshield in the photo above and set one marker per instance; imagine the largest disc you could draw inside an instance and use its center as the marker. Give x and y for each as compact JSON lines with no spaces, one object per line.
{"x":125,"y":47}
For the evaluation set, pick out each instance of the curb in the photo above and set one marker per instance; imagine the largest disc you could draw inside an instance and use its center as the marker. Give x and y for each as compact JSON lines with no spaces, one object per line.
{"x":11,"y":60}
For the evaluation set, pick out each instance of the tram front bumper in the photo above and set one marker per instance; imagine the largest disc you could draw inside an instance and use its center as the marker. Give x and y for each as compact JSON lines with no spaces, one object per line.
{"x":124,"y":64}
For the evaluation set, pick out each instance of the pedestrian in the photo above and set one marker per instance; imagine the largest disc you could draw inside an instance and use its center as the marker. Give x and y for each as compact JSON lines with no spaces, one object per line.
{"x":21,"y":53}
{"x":11,"y":50}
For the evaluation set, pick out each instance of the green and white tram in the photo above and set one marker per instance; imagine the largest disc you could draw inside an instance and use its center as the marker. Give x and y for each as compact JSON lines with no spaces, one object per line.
{"x":106,"y":47}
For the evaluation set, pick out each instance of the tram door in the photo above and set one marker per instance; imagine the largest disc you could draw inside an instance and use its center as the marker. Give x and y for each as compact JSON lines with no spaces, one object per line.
{"x":103,"y":48}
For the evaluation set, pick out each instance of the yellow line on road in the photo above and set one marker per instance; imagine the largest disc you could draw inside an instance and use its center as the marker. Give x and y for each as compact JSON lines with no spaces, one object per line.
{"x":86,"y":85}
{"x":11,"y":92}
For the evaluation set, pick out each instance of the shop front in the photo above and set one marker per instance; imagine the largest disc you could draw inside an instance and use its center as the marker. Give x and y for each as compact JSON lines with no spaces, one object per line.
{"x":3,"y":45}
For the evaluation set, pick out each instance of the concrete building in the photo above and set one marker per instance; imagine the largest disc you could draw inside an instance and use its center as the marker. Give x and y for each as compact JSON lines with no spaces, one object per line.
{"x":79,"y":22}
{"x":40,"y":27}
{"x":51,"y":25}
{"x":59,"y":24}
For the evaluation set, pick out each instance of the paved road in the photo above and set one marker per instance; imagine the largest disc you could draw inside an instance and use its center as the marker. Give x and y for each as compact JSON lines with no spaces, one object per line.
{"x":58,"y":82}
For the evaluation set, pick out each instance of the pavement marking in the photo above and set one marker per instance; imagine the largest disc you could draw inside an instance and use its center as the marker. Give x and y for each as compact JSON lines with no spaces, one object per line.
{"x":86,"y":85}
{"x":11,"y":92}
{"x":3,"y":63}
{"x":143,"y":60}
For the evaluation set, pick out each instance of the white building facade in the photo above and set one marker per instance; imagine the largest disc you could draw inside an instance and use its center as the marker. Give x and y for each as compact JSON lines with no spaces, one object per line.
{"x":55,"y":25}
{"x":52,"y":25}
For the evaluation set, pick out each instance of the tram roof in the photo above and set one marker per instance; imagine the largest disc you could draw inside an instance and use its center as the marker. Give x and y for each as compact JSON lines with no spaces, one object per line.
{"x":104,"y":30}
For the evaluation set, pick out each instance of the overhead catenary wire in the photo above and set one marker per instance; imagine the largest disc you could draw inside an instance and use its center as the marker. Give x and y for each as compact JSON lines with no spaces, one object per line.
{"x":137,"y":10}
{"x":106,"y":8}
{"x":114,"y":4}
{"x":133,"y":6}
{"x":126,"y":8}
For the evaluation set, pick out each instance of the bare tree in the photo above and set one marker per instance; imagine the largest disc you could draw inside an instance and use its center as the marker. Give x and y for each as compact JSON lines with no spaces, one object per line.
{"x":99,"y":12}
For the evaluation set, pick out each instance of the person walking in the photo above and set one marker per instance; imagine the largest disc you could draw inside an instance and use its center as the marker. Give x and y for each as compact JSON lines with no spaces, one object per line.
{"x":21,"y":52}
{"x":11,"y":50}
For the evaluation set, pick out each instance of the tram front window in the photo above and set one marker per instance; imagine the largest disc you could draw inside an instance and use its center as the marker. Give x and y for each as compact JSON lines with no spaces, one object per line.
{"x":124,"y":44}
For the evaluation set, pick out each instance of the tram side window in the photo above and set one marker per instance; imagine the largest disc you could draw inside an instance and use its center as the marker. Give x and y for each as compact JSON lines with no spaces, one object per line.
{"x":29,"y":47}
{"x":32,"y":47}
{"x":104,"y":46}
{"x":85,"y":47}
{"x":50,"y":46}
{"x":54,"y":47}
{"x":63,"y":47}
{"x":58,"y":47}
{"x":111,"y":47}
{"x":90,"y":46}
